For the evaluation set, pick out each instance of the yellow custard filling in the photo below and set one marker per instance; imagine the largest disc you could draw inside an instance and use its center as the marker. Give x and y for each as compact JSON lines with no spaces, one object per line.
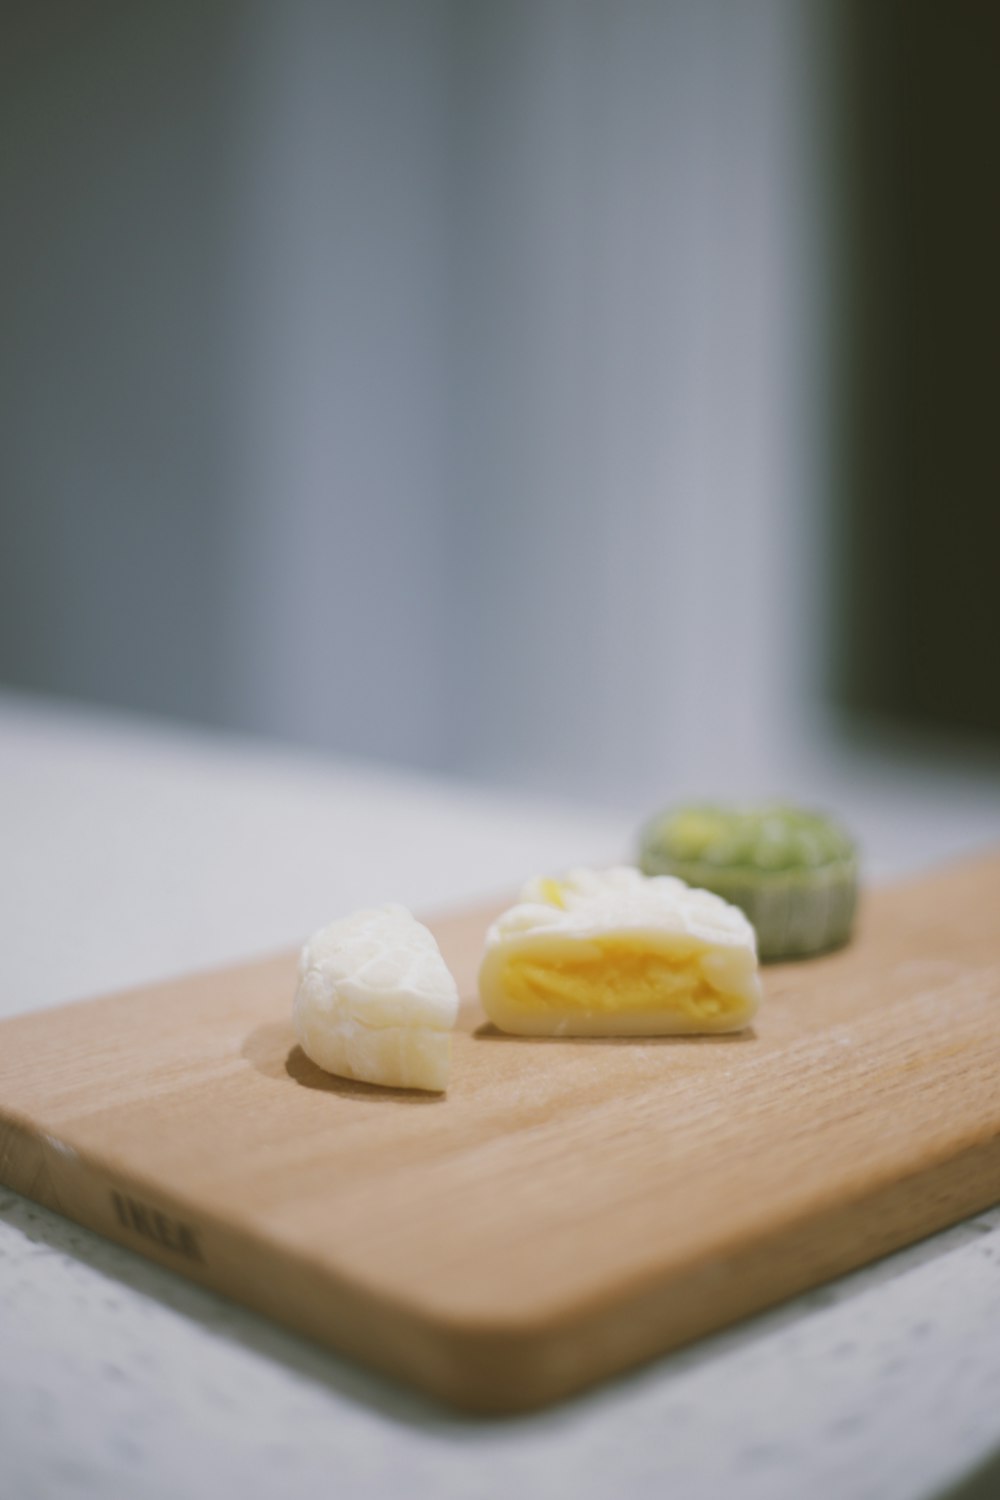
{"x":552,"y":892}
{"x":612,"y":976}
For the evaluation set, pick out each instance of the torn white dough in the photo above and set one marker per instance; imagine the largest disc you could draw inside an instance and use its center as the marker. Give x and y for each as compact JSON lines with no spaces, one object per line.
{"x":376,"y":1001}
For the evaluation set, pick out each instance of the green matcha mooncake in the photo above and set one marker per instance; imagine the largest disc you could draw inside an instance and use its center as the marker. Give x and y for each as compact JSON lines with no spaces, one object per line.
{"x":793,"y":872}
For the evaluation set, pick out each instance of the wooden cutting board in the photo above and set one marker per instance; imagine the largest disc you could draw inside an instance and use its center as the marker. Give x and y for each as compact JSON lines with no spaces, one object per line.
{"x":570,"y":1207}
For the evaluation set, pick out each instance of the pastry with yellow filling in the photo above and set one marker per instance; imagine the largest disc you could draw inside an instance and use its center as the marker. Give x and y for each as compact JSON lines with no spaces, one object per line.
{"x":792,"y":870}
{"x":617,"y":953}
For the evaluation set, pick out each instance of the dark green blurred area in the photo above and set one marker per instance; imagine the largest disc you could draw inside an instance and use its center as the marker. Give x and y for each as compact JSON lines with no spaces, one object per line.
{"x":917,"y":596}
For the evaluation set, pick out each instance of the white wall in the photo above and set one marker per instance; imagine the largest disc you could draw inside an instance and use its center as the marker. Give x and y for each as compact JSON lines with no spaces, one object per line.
{"x":338,"y":380}
{"x":642,"y":394}
{"x":495,"y":441}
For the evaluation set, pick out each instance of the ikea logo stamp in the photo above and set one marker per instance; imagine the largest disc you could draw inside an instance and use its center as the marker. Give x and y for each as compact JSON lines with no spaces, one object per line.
{"x":164,"y":1231}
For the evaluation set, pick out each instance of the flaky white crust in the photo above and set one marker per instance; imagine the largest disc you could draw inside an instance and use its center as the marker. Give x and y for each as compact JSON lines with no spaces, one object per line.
{"x":376,"y":1002}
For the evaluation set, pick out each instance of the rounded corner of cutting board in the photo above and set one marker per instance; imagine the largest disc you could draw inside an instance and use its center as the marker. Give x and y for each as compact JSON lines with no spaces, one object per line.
{"x":498,"y":1367}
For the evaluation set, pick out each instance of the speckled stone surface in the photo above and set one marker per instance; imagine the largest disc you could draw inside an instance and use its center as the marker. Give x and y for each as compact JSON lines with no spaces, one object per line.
{"x":130,"y":853}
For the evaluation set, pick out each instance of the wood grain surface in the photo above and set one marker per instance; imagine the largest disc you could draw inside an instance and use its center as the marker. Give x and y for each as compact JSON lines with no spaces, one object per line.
{"x":571,"y":1206}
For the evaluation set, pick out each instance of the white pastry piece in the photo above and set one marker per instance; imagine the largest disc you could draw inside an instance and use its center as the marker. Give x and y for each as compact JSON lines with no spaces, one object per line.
{"x":375,"y":1001}
{"x":617,"y":953}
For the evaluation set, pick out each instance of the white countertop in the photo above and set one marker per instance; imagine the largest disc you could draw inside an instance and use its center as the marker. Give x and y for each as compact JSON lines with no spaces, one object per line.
{"x":128,"y":852}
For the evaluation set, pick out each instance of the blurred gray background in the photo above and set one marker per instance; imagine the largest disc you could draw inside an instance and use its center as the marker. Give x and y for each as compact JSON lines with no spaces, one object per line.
{"x":594,"y":398}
